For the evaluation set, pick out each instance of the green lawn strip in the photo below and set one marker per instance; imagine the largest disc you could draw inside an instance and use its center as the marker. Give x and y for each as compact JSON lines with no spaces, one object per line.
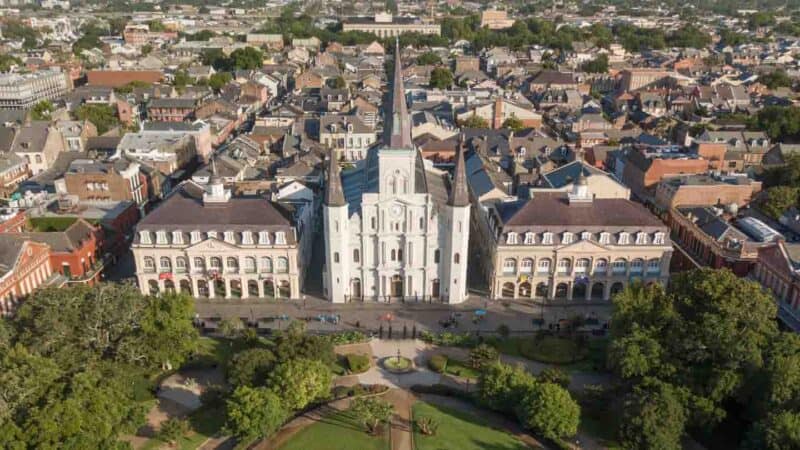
{"x":460,"y":369}
{"x":339,"y":431}
{"x":460,"y":430}
{"x":561,"y":351}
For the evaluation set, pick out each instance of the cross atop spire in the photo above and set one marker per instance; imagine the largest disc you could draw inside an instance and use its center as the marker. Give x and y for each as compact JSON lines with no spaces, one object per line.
{"x":398,"y":126}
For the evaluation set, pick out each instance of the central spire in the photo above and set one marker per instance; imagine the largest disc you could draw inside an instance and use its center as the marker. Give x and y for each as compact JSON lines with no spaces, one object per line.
{"x":398,"y":131}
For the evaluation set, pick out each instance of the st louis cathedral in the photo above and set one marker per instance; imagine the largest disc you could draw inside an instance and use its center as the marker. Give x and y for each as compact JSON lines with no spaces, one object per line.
{"x":395,"y":226}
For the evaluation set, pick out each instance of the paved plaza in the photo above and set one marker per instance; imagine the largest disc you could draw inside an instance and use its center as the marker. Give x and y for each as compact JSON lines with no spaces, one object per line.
{"x":519,"y":317}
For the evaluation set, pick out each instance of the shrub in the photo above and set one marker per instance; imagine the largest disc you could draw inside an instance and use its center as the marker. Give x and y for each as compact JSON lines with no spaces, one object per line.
{"x":549,"y":410}
{"x":556,"y":376}
{"x":449,"y":339}
{"x":503,"y":331}
{"x":501,"y":386}
{"x":482,"y":355}
{"x":357,"y":363}
{"x":443,"y":390}
{"x":173,"y":429}
{"x":438,"y":363}
{"x":347,"y":337}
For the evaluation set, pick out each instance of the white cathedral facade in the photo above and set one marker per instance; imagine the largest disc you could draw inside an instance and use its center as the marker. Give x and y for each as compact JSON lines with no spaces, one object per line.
{"x":396,"y":228}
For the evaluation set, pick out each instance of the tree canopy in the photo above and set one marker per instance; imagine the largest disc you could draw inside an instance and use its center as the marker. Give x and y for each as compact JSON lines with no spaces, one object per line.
{"x":77,"y":363}
{"x":693,"y":352}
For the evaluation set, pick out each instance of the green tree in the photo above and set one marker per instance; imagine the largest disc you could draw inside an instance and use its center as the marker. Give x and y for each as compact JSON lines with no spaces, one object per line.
{"x":555,"y":375}
{"x":482,"y":355}
{"x":338,"y":82}
{"x":514,"y":124}
{"x":250,"y":367}
{"x":711,"y":333}
{"x":689,"y":36}
{"x":441,"y":78}
{"x":146,"y":49}
{"x":253,"y":413}
{"x":501,"y":386}
{"x":102,"y":116}
{"x":778,"y":431}
{"x":156,"y":26}
{"x":429,"y":59}
{"x":7,"y":61}
{"x":218,"y":80}
{"x":775,"y":79}
{"x":301,"y":382}
{"x":779,"y":199}
{"x":475,"y":121}
{"x":371,"y":412}
{"x":181,"y":79}
{"x":655,"y":417}
{"x":42,"y":110}
{"x":248,"y":58}
{"x":597,"y":65}
{"x":108,"y":321}
{"x":173,"y":429}
{"x":548,"y":409}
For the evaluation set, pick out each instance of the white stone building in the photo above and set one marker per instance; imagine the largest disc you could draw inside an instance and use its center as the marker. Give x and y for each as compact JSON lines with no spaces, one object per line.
{"x":203,"y":241}
{"x":395,"y":227}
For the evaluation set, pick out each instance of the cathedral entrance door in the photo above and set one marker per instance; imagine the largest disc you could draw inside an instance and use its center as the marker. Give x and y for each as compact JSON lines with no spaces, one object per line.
{"x":397,"y":286}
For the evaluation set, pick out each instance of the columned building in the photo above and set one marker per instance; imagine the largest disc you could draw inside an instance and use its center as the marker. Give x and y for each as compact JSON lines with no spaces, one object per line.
{"x":573,"y":247}
{"x":395,"y":227}
{"x":203,"y":241}
{"x":385,"y":25}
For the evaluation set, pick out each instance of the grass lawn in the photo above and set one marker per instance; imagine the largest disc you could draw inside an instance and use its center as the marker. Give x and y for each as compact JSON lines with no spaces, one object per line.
{"x":547,"y":349}
{"x":214,"y":351}
{"x":339,"y":431}
{"x":460,"y":369}
{"x":460,"y":430}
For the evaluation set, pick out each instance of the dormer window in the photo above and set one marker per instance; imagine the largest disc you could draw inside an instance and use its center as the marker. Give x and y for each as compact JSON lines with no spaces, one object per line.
{"x":195,"y":237}
{"x":229,"y":237}
{"x":547,"y":238}
{"x":658,"y":239}
{"x":605,"y":238}
{"x":247,"y":238}
{"x":161,"y":237}
{"x":641,"y":238}
{"x":567,"y":238}
{"x":530,"y":238}
{"x":585,"y":236}
{"x":263,"y":238}
{"x":624,"y":238}
{"x":177,"y":237}
{"x":144,"y":237}
{"x":511,"y":238}
{"x":280,"y":238}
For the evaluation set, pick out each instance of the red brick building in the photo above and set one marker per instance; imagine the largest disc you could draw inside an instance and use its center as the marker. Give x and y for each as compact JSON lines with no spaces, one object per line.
{"x":776,"y":270}
{"x":74,"y":251}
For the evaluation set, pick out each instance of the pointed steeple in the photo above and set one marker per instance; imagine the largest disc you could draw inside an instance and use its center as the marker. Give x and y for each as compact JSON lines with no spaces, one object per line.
{"x":459,"y":196}
{"x":334,"y":194}
{"x":398,"y":123}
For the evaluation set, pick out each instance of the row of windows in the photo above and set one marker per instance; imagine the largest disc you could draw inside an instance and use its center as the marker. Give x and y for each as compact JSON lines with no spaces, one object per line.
{"x":582,"y":265}
{"x":244,"y":237}
{"x":396,"y":255}
{"x":215,"y":263}
{"x":548,"y":238}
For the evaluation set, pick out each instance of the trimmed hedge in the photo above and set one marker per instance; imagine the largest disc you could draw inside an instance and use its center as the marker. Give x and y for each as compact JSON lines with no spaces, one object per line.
{"x":438,"y":363}
{"x":357,"y":363}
